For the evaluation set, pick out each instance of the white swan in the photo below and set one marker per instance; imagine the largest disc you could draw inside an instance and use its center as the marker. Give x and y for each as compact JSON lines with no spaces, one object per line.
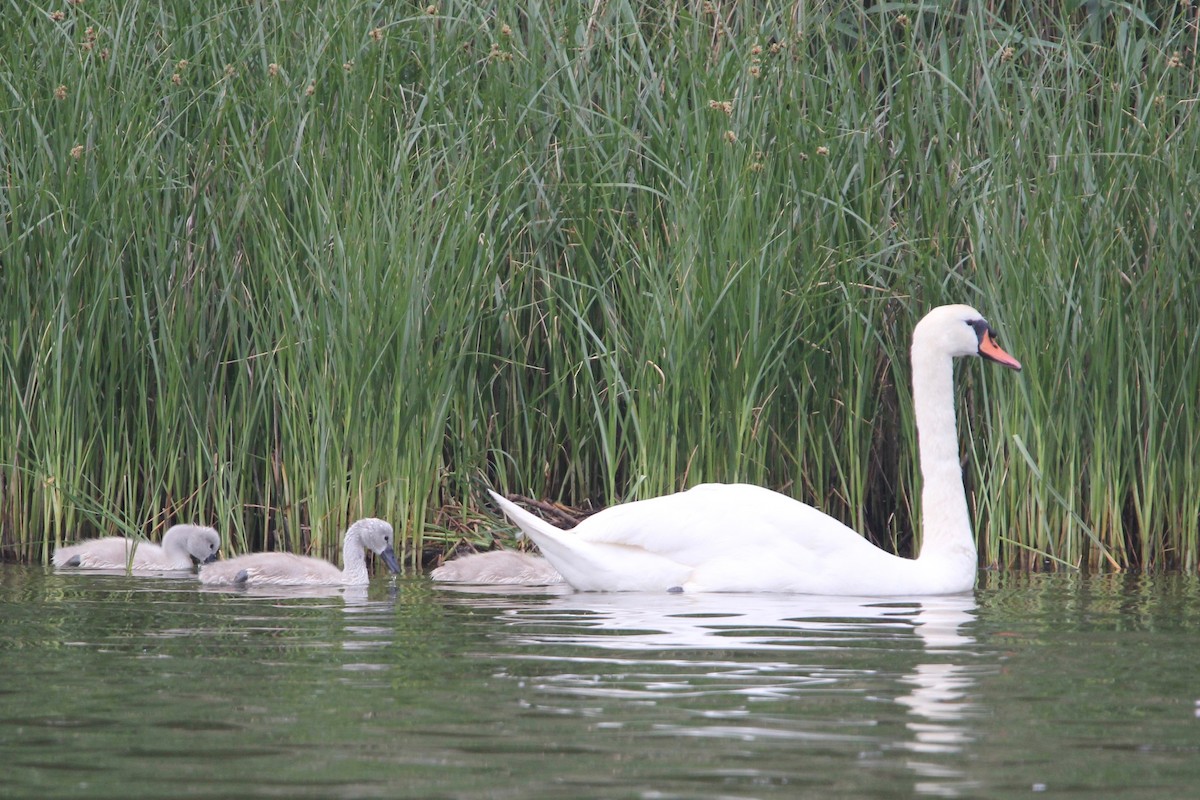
{"x":285,"y":569}
{"x":735,"y":538}
{"x":180,"y":544}
{"x":498,"y":567}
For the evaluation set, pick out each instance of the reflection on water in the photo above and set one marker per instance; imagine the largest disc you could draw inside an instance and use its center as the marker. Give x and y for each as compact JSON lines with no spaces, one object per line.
{"x":940,"y":705}
{"x":113,"y":686}
{"x":673,"y":628}
{"x":354,"y":601}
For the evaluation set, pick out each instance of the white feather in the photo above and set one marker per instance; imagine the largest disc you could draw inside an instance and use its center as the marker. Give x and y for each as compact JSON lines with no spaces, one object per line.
{"x":739,"y":538}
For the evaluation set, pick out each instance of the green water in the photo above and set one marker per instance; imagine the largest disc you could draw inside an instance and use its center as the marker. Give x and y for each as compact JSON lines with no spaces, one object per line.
{"x":1044,"y":685}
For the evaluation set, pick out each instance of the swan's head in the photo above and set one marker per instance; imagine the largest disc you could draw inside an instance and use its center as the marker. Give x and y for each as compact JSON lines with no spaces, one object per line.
{"x":960,"y":331}
{"x":377,"y":536}
{"x":202,"y":544}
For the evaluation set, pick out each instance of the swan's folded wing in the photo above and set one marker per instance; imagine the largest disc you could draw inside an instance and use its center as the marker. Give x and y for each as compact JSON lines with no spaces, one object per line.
{"x":706,"y":521}
{"x":609,"y":567}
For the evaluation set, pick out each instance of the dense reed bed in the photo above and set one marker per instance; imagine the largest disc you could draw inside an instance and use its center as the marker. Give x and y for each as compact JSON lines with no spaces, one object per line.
{"x":273,"y":266}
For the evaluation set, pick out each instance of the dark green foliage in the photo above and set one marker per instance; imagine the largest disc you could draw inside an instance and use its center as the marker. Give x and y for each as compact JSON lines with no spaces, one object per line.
{"x":356,"y":259}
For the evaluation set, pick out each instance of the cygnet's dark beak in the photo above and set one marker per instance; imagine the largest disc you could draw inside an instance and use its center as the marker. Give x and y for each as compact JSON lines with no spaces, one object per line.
{"x":211,"y":558}
{"x":389,"y":558}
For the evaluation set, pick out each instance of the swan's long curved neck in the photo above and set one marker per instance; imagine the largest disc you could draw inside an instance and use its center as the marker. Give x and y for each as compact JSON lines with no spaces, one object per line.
{"x":946,"y":522}
{"x":354,"y":558}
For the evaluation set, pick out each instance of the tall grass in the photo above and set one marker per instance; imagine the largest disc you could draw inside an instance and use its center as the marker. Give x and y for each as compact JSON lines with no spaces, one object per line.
{"x":273,"y":266}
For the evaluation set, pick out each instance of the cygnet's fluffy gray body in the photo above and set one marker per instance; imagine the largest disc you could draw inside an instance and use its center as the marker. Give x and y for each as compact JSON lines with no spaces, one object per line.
{"x":180,"y":545}
{"x":286,"y":569}
{"x":498,"y":567}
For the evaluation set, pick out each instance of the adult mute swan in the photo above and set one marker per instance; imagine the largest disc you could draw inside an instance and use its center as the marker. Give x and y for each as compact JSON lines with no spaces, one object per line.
{"x":740,"y":538}
{"x":285,"y":569}
{"x":180,"y":544}
{"x":498,"y":567}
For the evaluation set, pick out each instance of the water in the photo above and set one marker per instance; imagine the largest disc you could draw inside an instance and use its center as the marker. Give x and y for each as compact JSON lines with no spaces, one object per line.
{"x":1038,"y":685}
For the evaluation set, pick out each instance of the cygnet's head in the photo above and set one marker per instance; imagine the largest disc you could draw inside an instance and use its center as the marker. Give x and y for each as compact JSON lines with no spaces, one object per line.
{"x":377,"y":536}
{"x":201,"y":543}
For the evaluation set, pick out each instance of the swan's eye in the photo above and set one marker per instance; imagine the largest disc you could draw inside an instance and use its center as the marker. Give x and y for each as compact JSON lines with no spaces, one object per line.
{"x":980,"y":327}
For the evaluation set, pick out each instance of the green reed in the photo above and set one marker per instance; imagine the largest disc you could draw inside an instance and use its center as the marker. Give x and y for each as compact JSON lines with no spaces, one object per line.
{"x":273,"y":267}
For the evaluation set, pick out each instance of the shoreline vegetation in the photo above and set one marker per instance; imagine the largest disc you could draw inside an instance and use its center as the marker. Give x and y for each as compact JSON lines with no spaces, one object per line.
{"x":276,"y":266}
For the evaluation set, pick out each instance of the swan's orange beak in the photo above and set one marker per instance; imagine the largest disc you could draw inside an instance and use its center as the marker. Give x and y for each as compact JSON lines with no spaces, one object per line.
{"x":994,"y":352}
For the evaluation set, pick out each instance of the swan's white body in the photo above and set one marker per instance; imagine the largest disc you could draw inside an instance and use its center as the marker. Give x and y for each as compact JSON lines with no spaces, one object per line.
{"x":286,"y":569}
{"x":498,"y":567}
{"x":180,"y":544}
{"x":739,"y":538}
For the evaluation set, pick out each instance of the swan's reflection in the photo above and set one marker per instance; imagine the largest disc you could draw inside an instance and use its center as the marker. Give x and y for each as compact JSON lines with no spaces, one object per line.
{"x":879,"y":632}
{"x":940,"y":703}
{"x":550,"y":615}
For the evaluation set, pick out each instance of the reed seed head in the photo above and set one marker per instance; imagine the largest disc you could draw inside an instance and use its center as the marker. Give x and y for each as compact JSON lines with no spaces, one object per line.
{"x":273,"y":70}
{"x":58,"y":16}
{"x":348,"y":66}
{"x":1175,"y":61}
{"x":61,"y":92}
{"x":77,"y":152}
{"x":731,"y":137}
{"x":377,"y":34}
{"x":311,"y":89}
{"x":176,"y":78}
{"x":822,"y":150}
{"x":431,"y":10}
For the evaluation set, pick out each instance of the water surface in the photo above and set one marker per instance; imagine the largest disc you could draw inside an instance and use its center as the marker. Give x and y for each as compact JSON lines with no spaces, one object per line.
{"x":1035,"y":685}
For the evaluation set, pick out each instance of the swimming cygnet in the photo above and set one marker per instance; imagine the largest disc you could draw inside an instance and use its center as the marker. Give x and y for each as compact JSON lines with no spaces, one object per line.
{"x":498,"y":566}
{"x":285,"y":569}
{"x":180,"y":545}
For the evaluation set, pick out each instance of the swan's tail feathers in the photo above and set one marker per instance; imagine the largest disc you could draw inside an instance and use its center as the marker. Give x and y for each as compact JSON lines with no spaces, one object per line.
{"x":530,"y":525}
{"x":595,"y":566}
{"x":561,"y":549}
